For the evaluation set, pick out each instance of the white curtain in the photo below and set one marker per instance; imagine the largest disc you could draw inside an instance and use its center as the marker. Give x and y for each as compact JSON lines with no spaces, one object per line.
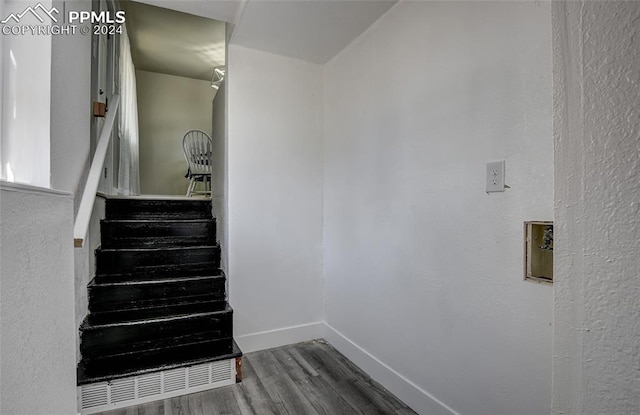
{"x":129,"y":169}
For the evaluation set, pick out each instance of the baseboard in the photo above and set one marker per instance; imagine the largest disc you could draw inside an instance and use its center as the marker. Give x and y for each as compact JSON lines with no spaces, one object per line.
{"x":280,"y":337}
{"x":414,"y":396}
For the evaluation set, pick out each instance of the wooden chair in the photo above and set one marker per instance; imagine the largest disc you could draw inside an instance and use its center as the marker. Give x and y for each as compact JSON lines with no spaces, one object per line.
{"x":198,"y":150}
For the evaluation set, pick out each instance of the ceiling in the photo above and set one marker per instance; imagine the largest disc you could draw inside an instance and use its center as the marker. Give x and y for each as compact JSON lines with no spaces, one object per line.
{"x":184,"y":41}
{"x":312,"y":30}
{"x":174,"y":43}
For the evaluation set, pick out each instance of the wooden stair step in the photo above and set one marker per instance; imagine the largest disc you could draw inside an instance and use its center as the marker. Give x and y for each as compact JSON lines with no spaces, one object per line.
{"x":157,"y":233}
{"x":171,"y":307}
{"x":134,"y":208}
{"x":118,"y":261}
{"x":159,"y":272}
{"x":118,"y":366}
{"x":123,"y":337}
{"x":125,"y":295}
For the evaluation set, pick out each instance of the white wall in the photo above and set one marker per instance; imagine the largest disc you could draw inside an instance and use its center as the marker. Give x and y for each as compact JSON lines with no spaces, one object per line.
{"x":423,"y":269}
{"x":275,"y":197}
{"x":219,"y":179}
{"x":25,"y":129}
{"x":597,"y":321}
{"x":168,"y":107}
{"x":37,"y":330}
{"x":70,"y":106}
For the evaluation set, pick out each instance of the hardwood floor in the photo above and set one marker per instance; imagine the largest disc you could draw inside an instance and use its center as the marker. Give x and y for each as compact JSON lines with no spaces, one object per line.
{"x":305,"y":378}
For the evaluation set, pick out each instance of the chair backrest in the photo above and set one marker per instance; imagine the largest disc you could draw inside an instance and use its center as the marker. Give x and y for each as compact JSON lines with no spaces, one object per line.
{"x":198,"y":150}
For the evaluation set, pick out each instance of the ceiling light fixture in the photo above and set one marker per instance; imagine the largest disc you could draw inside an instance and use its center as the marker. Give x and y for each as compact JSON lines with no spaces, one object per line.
{"x":218,"y":76}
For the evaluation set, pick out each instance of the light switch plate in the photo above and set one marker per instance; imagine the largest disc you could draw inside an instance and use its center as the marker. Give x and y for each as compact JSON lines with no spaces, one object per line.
{"x":495,"y":176}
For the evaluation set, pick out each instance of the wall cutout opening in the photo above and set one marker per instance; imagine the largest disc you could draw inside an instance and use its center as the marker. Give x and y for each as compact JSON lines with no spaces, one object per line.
{"x":538,"y":251}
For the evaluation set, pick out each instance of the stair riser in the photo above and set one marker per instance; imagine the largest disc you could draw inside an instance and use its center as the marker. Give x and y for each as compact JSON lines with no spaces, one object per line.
{"x":157,"y":311}
{"x":117,"y":297}
{"x":157,"y":234}
{"x":123,"y":338}
{"x":162,"y":209}
{"x":160,"y":272}
{"x":117,"y":262}
{"x":104,"y":368}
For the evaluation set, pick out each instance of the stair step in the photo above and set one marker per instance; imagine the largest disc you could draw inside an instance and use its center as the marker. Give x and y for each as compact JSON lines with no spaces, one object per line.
{"x":114,"y":367}
{"x":160,"y":272}
{"x":129,"y":260}
{"x":157,"y":233}
{"x":143,"y":335}
{"x":96,"y":353}
{"x":139,"y":294}
{"x":176,"y":307}
{"x":132,"y":208}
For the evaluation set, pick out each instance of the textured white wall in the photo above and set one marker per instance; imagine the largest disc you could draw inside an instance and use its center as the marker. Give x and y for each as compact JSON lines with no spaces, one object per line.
{"x":423,"y":269}
{"x":37,"y":330}
{"x":597,"y":160}
{"x":168,"y":107}
{"x":275,"y":197}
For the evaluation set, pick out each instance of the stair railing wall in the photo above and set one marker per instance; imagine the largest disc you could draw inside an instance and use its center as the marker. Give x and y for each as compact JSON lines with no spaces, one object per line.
{"x":83,"y":216}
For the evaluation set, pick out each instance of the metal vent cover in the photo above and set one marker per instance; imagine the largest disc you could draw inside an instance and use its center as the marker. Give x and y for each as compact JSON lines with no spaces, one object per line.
{"x":175,"y":379}
{"x":96,"y":394}
{"x":199,"y":375}
{"x":135,"y":390}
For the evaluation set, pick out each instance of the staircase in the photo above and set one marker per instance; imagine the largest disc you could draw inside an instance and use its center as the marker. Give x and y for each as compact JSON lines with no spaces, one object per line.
{"x":158,"y":313}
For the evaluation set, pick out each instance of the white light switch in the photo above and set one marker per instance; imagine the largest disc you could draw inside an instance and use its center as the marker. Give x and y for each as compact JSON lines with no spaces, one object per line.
{"x":495,"y":176}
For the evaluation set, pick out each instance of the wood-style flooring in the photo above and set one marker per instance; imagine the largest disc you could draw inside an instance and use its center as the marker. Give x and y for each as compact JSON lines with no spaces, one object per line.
{"x":305,"y":378}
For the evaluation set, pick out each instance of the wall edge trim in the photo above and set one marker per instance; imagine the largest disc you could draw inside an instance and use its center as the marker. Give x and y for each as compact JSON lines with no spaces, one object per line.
{"x":27,"y":188}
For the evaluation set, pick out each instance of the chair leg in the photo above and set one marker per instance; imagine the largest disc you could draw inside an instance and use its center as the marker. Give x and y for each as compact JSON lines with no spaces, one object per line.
{"x":192,"y":183}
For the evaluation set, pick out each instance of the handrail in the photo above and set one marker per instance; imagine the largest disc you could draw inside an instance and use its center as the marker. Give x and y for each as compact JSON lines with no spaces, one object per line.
{"x":83,"y":217}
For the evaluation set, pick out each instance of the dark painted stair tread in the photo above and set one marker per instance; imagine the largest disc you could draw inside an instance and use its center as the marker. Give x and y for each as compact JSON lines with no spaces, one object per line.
{"x":171,"y":307}
{"x":159,"y":222}
{"x":168,"y":249}
{"x":161,"y":209}
{"x":109,"y":368}
{"x":156,"y":242}
{"x":135,"y":294}
{"x":118,"y":261}
{"x":116,"y":338}
{"x":150,"y":282}
{"x":152,"y":303}
{"x":158,"y":272}
{"x":157,"y":233}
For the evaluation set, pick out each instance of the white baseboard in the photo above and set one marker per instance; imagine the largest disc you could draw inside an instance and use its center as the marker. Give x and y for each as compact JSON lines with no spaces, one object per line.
{"x":280,"y":337}
{"x":411,"y":394}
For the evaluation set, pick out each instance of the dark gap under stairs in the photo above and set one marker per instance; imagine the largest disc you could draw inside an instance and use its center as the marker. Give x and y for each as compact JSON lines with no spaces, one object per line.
{"x":158,"y":299}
